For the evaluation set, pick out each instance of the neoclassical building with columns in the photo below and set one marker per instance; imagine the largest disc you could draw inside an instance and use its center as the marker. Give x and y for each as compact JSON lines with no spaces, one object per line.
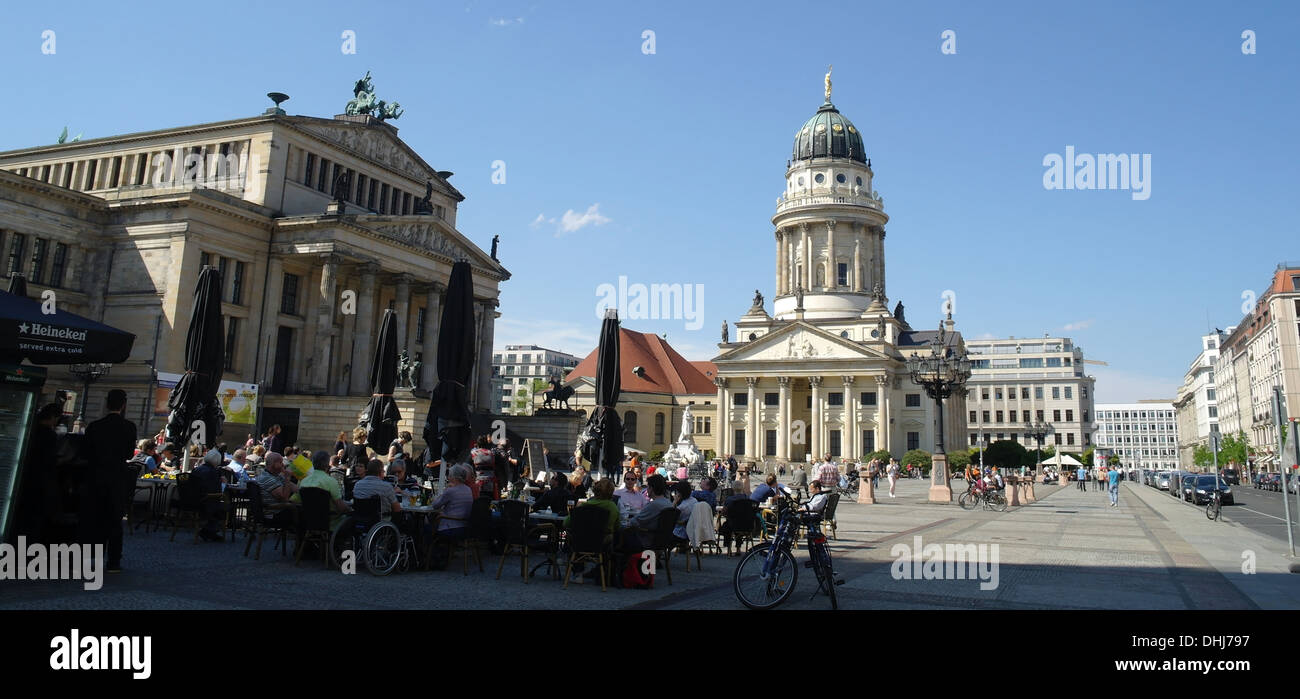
{"x":824,"y":372}
{"x":119,"y":227}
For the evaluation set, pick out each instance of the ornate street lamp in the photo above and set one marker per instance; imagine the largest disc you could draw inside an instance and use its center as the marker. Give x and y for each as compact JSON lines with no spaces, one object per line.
{"x":88,"y":373}
{"x":940,"y":373}
{"x":1038,"y":430}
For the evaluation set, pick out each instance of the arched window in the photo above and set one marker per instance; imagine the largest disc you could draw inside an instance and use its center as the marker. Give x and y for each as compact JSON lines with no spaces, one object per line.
{"x":659,"y":428}
{"x":629,"y":427}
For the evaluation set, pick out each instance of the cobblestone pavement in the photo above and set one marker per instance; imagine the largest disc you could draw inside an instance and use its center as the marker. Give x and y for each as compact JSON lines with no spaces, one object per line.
{"x":1069,"y":549}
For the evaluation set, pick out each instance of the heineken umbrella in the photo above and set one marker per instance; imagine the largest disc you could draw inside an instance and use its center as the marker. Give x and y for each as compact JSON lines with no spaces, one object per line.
{"x":56,"y":338}
{"x":193,"y":400}
{"x":446,"y":429}
{"x":601,"y":440}
{"x":381,"y":416}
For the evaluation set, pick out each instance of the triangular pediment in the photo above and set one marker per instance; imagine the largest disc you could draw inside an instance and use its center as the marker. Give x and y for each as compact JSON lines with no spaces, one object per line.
{"x":379,"y":144}
{"x":428,"y":235}
{"x":800,"y":342}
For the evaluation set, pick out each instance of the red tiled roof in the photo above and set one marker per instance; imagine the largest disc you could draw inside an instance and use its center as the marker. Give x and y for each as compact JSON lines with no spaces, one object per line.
{"x":666,"y":371}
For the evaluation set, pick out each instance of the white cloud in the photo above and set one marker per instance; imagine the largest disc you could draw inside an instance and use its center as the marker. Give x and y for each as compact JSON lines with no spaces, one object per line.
{"x":572,"y":221}
{"x":1115,"y":386}
{"x":1079,"y":325}
{"x":539,"y":221}
{"x":505,"y":21}
{"x":573,"y":339}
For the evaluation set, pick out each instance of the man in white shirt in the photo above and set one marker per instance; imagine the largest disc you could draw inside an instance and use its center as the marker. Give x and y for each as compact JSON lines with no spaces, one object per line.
{"x":239,"y":465}
{"x":629,"y":499}
{"x":817,"y":502}
{"x":374,"y":485}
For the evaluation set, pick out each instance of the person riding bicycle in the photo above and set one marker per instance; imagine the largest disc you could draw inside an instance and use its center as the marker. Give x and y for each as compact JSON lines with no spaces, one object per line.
{"x":994,"y":479}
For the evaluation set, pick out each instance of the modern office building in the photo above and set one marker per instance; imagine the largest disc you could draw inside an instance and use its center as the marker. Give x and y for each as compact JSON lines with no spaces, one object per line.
{"x":1143,"y":434}
{"x":1018,"y":381}
{"x":517,"y":367}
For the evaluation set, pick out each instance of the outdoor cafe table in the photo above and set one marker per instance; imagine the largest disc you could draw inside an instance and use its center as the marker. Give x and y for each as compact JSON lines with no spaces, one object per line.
{"x":159,"y":492}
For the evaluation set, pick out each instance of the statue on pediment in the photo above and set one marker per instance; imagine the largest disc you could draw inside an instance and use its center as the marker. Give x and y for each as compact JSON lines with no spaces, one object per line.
{"x":425,"y":205}
{"x":758,"y":300}
{"x":726,"y":335}
{"x":495,"y":239}
{"x":365,"y":102}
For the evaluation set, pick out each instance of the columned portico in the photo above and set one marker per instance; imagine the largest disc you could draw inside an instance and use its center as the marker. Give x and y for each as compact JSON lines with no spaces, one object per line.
{"x":815,"y":442}
{"x":724,"y":418}
{"x":432,"y":320}
{"x":326,"y":330}
{"x":402,"y":309}
{"x":751,"y":411}
{"x":849,"y":441}
{"x":882,"y":425}
{"x":362,"y":352}
{"x":783,"y":420}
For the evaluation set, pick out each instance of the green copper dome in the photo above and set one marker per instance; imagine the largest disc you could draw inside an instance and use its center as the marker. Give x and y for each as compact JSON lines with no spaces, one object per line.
{"x":828,"y":135}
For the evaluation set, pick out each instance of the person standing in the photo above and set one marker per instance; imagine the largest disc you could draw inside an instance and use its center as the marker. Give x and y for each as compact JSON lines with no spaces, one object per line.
{"x":893,"y":476}
{"x":1112,"y":482}
{"x":799,"y":484}
{"x":108,"y":444}
{"x":1082,"y":475}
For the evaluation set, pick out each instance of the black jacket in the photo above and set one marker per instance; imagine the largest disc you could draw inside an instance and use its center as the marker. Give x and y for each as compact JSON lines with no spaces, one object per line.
{"x":108,"y":444}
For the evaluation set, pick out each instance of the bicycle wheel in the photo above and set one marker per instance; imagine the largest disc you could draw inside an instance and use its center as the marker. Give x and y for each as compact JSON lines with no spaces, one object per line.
{"x":757,"y":592}
{"x":1212,"y":510}
{"x":826,"y":574}
{"x":968,"y":500}
{"x":997,"y":501}
{"x":383,"y":548}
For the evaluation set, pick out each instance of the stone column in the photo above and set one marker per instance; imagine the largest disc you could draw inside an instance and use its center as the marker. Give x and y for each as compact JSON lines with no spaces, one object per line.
{"x":402,"y":309}
{"x":724,"y":417}
{"x":882,"y":421}
{"x":325,"y":329}
{"x":832,"y":280}
{"x":432,"y":321}
{"x":815,"y":440}
{"x":790,"y":279}
{"x":484,"y":361}
{"x":270,"y":316}
{"x":855,"y":274}
{"x":880,"y":259}
{"x":364,"y":337}
{"x":850,"y":419}
{"x":807,"y":257}
{"x":783,"y":420}
{"x":779,"y":269}
{"x":751,"y":413}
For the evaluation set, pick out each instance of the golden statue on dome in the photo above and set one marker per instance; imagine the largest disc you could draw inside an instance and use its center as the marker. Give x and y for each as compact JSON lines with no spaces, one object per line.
{"x":828,"y":83}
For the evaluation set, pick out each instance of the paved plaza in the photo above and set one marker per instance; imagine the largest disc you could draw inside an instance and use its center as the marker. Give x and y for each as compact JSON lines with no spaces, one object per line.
{"x":1067,"y":550}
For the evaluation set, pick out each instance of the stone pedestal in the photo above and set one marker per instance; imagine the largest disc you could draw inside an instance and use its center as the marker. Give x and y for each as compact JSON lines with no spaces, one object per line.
{"x":940,"y":491}
{"x":1063,"y":479}
{"x":1012,"y":492}
{"x":1029,"y":492}
{"x":866,"y":493}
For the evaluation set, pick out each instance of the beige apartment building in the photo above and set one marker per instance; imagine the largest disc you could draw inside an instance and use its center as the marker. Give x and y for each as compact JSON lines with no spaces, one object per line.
{"x":1017,"y":381}
{"x":1262,"y":352}
{"x":316,"y":224}
{"x":1197,"y":402}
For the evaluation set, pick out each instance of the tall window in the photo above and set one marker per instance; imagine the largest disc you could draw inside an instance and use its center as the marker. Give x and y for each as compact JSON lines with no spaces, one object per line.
{"x":1069,"y":393}
{"x":361,"y":190}
{"x":984,"y":416}
{"x":371,"y":202}
{"x":998,"y":417}
{"x":1069,"y":416}
{"x":1024,"y":393}
{"x":322,"y":177}
{"x":232,"y":336}
{"x":912,"y":400}
{"x":835,"y":398}
{"x":739,"y":448}
{"x":311,"y":167}
{"x":1038,"y":415}
{"x":419,"y":326}
{"x":17,"y":251}
{"x":221,"y":271}
{"x":289,"y":296}
{"x":1056,"y":393}
{"x":629,"y":427}
{"x":769,"y":442}
{"x":868,"y":441}
{"x":1056,"y":416}
{"x":913,"y":440}
{"x":1038,"y":392}
{"x":383,"y":198}
{"x":835,"y":441}
{"x":1025,"y":414}
{"x":59,"y":265}
{"x":659,"y":428}
{"x":38,"y":261}
{"x":973,"y":416}
{"x":237,"y":284}
{"x":868,"y":398}
{"x":842,"y":274}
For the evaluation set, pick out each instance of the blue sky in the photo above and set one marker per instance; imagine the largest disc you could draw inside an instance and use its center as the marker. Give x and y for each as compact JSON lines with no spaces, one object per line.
{"x":668,"y":165}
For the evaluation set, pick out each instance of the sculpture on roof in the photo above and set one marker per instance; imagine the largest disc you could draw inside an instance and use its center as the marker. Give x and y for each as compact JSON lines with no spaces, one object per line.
{"x":898,"y":313}
{"x":726,"y":336}
{"x":828,"y":83}
{"x":758,"y":300}
{"x":364,"y":102}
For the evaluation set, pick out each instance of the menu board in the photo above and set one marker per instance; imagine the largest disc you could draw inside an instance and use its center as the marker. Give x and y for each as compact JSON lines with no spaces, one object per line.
{"x":15,"y":412}
{"x":536,"y":457}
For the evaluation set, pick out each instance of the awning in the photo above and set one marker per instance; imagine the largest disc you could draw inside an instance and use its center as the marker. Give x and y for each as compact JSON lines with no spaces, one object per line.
{"x":56,"y":338}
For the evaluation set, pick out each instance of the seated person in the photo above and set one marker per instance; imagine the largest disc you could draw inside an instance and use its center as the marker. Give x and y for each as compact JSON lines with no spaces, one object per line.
{"x":374,"y":485}
{"x":145,"y":451}
{"x":397,"y":476}
{"x":630,"y":498}
{"x":208,"y":476}
{"x":556,"y":498}
{"x":602,"y":497}
{"x":684,"y":503}
{"x":767,"y":489}
{"x":319,"y":477}
{"x":732,"y":522}
{"x":169,"y":462}
{"x":276,"y":488}
{"x":645,"y":521}
{"x":580,"y":482}
{"x":239,"y":466}
{"x":816,"y":503}
{"x":455,"y":502}
{"x":706,"y":492}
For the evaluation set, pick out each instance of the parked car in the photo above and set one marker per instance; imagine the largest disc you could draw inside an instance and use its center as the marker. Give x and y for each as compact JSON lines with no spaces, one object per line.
{"x":1202,"y":486}
{"x":1231,"y":476}
{"x":1162,"y":480}
{"x":1187,"y":486}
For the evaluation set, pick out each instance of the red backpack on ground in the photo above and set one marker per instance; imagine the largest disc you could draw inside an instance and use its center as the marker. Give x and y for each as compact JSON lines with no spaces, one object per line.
{"x":633,"y":577}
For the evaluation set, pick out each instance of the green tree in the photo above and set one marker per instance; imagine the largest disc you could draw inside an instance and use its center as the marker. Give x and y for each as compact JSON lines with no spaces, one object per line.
{"x":880,"y":455}
{"x":1086,"y":459}
{"x":521,"y":401}
{"x":918,"y":458}
{"x":958,"y":460}
{"x":1234,"y":448}
{"x":1114,"y":461}
{"x":1033,"y":455}
{"x":1202,"y":456}
{"x":1006,"y":454}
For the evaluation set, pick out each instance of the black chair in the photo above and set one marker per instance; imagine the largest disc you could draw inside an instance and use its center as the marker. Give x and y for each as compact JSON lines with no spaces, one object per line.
{"x":521,"y":539}
{"x":348,"y":483}
{"x":259,"y":526}
{"x":478,"y":528}
{"x":741,"y":520}
{"x":315,"y":519}
{"x":587,"y":540}
{"x":190,"y":495}
{"x":828,"y":514}
{"x":662,"y":540}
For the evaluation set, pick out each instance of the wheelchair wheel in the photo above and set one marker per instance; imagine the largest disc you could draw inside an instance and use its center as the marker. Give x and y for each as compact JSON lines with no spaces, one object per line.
{"x":383,"y":548}
{"x":341,"y":541}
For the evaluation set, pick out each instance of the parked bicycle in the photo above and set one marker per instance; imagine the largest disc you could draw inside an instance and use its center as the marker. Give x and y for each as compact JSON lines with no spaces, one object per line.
{"x":1214,"y":507}
{"x":766,"y":575}
{"x":978,"y":493}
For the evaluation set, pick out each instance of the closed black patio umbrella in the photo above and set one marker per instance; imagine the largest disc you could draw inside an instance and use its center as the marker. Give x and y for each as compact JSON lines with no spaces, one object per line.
{"x":381,"y":416}
{"x":447,"y":427}
{"x":601,"y":440}
{"x":18,"y":285}
{"x":195,"y":396}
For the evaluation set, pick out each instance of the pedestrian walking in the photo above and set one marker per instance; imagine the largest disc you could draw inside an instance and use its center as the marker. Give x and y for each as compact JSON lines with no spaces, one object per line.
{"x":1113,"y":483}
{"x":893,"y":476}
{"x":1082,"y":475}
